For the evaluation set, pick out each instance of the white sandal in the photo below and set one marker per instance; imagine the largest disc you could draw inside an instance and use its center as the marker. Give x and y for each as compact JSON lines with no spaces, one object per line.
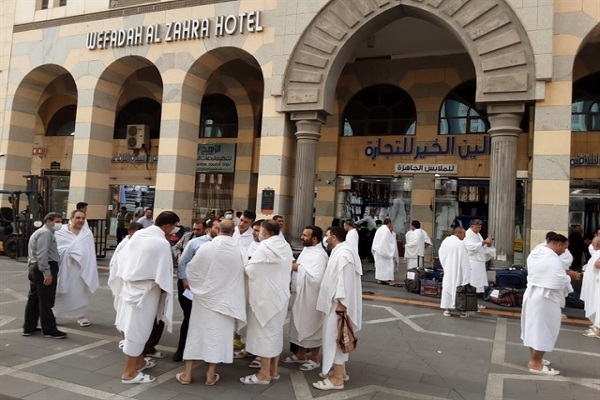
{"x":309,"y":366}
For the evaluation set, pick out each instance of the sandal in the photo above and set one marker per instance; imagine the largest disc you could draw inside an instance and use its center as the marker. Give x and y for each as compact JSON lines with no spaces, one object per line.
{"x":545,"y":371}
{"x":217,"y":377}
{"x":156,"y":354}
{"x":139,"y":378}
{"x":150,"y":363}
{"x":326,"y":384}
{"x":83,"y":322}
{"x":178,"y":378}
{"x":309,"y":366}
{"x":545,"y":362}
{"x":121,"y":344}
{"x":325,"y":376}
{"x":464,"y":314}
{"x":395,"y":284}
{"x":294,"y":359}
{"x":255,"y":363}
{"x":253,"y":380}
{"x":447,"y":313}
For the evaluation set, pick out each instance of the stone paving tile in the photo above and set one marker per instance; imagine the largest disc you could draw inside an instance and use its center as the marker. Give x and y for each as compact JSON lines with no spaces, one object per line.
{"x":461,"y":394}
{"x":112,"y":386}
{"x":54,"y":393}
{"x":158,"y":393}
{"x":18,"y":388}
{"x":9,"y":360}
{"x":69,"y":374}
{"x":419,"y":387}
{"x":81,"y":362}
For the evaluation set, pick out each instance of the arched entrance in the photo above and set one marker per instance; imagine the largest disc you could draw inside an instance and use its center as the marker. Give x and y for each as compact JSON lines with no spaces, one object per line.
{"x":491,"y":36}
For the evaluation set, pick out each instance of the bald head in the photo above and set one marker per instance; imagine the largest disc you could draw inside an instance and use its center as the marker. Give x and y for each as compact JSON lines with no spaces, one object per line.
{"x":226,"y":227}
{"x":459,"y":232}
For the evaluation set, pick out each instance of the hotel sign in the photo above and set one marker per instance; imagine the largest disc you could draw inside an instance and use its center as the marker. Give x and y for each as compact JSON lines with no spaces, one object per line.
{"x":216,"y":158}
{"x":191,"y":29}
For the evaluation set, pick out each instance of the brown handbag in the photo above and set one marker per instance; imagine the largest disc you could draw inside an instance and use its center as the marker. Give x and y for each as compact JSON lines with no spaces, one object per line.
{"x":346,"y":340}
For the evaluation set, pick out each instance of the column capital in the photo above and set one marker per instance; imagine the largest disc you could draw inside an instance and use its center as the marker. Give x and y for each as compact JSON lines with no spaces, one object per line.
{"x":315,"y":115}
{"x":505,"y":119}
{"x":308,"y":129}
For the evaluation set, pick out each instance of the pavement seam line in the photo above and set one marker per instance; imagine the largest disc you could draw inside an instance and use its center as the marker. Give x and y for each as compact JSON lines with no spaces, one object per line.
{"x":60,"y":355}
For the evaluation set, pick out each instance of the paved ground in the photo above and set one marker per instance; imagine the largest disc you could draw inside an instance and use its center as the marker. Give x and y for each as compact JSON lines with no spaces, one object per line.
{"x":406,"y":350}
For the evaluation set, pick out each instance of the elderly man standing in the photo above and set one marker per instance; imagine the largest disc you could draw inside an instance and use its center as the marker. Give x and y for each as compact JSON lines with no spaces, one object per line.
{"x":341,"y":292}
{"x":590,"y":290}
{"x":216,"y":278}
{"x":307,"y":321}
{"x":547,"y":287}
{"x":457,"y":268}
{"x":42,"y":263}
{"x":268,"y":273}
{"x":414,"y":249}
{"x":78,"y":271}
{"x":385,"y":253}
{"x":145,"y":271}
{"x":480,"y":251}
{"x":351,"y":234}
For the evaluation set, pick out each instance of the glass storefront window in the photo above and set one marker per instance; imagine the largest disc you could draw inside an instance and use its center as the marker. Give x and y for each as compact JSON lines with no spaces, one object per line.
{"x":214,"y":193}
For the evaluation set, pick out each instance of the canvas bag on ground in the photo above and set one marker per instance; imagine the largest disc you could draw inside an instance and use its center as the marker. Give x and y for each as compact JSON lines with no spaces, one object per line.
{"x":466,"y":298}
{"x":346,"y":340}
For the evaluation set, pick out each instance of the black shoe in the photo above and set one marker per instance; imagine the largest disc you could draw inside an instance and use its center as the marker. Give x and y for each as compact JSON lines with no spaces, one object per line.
{"x":56,"y":335}
{"x":177,"y":356}
{"x":33,"y":332}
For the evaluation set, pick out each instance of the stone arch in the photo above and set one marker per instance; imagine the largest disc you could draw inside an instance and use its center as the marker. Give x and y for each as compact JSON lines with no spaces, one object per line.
{"x":488,"y":29}
{"x":33,"y":92}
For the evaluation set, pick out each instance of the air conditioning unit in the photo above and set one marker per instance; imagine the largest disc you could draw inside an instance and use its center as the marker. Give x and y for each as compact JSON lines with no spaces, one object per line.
{"x":138,"y":136}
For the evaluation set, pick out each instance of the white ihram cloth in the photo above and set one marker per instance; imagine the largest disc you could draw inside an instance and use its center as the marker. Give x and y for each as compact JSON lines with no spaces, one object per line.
{"x":457,"y":269}
{"x":252,"y":248}
{"x":244,"y":239}
{"x":116,"y":284}
{"x":566,"y":258}
{"x":590,"y":289}
{"x":479,"y":253}
{"x":77,"y":273}
{"x":385,"y":253}
{"x":415,"y":247}
{"x":547,"y":287}
{"x":341,"y":283}
{"x":306,"y":324}
{"x":144,"y":270}
{"x":352,"y":239}
{"x":216,"y":278}
{"x":268,"y":273}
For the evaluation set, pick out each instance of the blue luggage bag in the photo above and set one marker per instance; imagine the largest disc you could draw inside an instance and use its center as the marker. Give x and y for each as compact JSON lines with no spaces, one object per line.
{"x":512,"y":278}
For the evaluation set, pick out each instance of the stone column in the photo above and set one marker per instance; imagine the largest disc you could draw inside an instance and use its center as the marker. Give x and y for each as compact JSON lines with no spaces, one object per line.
{"x":505,"y":120}
{"x":308,"y":133}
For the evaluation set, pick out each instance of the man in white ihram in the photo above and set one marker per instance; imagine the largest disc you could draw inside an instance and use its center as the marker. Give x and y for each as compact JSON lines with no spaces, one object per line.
{"x":216,"y":278}
{"x":268,"y":273}
{"x":307,"y":321}
{"x":351,"y":234}
{"x":414,"y":249}
{"x":78,"y":271}
{"x":341,"y":291}
{"x":144,"y":272}
{"x":385,"y":253}
{"x":547,"y":287}
{"x":480,"y":251}
{"x":590,"y":290}
{"x":457,"y":268}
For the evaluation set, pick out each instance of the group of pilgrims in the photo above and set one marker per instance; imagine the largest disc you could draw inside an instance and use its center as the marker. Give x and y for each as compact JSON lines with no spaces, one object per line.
{"x":241,"y":279}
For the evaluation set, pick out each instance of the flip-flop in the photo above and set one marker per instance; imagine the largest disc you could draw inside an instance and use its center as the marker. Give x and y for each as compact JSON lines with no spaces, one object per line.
{"x":83,"y":322}
{"x":156,"y":354}
{"x":178,"y":378}
{"x":325,"y":376}
{"x":545,"y":371}
{"x":217,"y":377}
{"x":150,"y":363}
{"x":253,"y":380}
{"x":294,"y":359}
{"x":447,"y":314}
{"x":309,"y":366}
{"x":326,"y":384}
{"x":140,"y":378}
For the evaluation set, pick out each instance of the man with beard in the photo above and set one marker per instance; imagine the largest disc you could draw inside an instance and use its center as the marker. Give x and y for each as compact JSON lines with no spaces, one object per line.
{"x":268,"y":273}
{"x":78,"y":271}
{"x":307,"y":321}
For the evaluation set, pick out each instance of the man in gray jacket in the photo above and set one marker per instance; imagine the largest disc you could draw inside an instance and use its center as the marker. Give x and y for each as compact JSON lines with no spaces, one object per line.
{"x":43,"y":271}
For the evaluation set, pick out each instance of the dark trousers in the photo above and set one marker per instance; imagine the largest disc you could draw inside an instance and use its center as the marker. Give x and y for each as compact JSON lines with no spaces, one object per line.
{"x":186,"y":306}
{"x":157,"y":331}
{"x":121,"y":233}
{"x":40,"y":301}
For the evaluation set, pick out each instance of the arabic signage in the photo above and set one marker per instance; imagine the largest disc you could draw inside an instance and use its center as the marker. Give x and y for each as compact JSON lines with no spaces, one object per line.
{"x":216,"y":157}
{"x":190,"y":29}
{"x":267,"y":203}
{"x":585,"y":160}
{"x":408,"y":146}
{"x":426,"y":169}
